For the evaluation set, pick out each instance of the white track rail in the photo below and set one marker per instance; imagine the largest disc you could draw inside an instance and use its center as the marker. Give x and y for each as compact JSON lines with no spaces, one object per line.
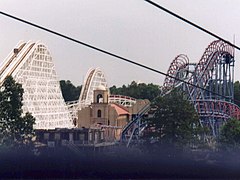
{"x":32,"y":66}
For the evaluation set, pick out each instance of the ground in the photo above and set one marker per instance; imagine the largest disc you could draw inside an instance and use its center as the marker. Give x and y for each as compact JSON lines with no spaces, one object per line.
{"x":118,"y":162}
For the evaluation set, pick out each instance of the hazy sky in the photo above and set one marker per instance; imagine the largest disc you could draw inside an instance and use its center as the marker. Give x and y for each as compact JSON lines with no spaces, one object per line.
{"x":130,"y":28}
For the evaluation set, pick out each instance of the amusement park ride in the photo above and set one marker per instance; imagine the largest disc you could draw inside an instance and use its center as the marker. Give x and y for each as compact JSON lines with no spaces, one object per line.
{"x":208,"y":85}
{"x":30,"y":63}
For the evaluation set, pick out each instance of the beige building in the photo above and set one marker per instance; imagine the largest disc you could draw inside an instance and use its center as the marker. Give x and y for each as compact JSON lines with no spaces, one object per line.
{"x":108,"y":116}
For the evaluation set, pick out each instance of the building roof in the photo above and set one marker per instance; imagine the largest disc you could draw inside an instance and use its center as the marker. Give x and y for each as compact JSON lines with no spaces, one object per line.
{"x":119,"y":109}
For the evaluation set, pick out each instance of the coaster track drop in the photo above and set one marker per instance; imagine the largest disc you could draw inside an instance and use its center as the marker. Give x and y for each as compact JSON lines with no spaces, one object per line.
{"x":210,"y":84}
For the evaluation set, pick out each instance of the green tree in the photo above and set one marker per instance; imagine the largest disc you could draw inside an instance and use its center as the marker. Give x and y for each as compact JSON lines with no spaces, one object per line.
{"x":69,"y":91}
{"x":237,"y":93}
{"x":137,"y":90}
{"x":175,"y":122}
{"x":230,"y":133}
{"x":15,"y":128}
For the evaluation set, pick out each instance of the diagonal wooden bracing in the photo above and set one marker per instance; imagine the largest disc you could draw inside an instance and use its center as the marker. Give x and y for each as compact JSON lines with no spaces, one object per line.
{"x":31,"y":64}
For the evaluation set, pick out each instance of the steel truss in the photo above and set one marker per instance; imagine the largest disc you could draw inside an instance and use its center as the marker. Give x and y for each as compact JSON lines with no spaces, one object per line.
{"x":179,"y":68}
{"x":133,"y":130}
{"x":214,"y":72}
{"x":31,"y":65}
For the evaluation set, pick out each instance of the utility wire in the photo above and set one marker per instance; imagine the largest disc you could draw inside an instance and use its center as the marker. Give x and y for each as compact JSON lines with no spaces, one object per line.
{"x":192,"y":24}
{"x":109,"y":53}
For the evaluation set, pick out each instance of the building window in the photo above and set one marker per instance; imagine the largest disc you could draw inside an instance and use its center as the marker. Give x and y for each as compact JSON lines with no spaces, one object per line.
{"x":90,"y":136}
{"x":99,"y":98}
{"x":46,"y":136}
{"x":57,"y":136}
{"x":81,"y":137}
{"x":99,"y":113}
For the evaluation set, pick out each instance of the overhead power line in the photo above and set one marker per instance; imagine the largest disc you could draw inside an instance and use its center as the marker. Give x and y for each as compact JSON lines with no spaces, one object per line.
{"x":192,"y":24}
{"x":109,"y":53}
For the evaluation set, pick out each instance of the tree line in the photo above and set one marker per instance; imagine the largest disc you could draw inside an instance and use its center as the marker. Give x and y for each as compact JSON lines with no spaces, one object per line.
{"x":71,"y":92}
{"x":137,"y":90}
{"x":149,"y":91}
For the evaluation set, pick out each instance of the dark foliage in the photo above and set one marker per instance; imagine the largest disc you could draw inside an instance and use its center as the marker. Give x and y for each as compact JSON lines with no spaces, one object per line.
{"x":69,"y":91}
{"x":175,"y":122}
{"x":230,"y":134}
{"x":237,"y":93}
{"x":138,"y":91}
{"x":15,"y":129}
